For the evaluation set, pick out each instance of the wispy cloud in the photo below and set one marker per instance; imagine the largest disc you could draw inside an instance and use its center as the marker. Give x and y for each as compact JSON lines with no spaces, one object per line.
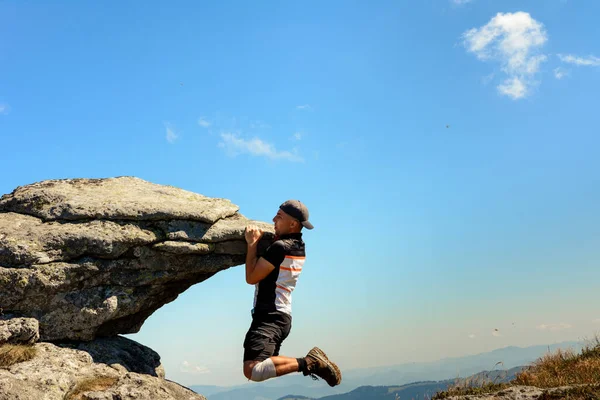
{"x":171,"y":136}
{"x":596,"y":321}
{"x":589,"y":61}
{"x":472,"y":336}
{"x":560,"y":73}
{"x":496,"y":333}
{"x":203,"y":122}
{"x":246,"y":135}
{"x":306,"y":107}
{"x":553,"y":327}
{"x":460,"y":2}
{"x":189,"y":368}
{"x":4,"y":108}
{"x":514,"y":40}
{"x":235,"y":145}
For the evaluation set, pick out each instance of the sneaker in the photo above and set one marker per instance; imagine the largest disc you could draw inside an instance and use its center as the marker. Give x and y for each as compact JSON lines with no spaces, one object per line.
{"x":317,"y":364}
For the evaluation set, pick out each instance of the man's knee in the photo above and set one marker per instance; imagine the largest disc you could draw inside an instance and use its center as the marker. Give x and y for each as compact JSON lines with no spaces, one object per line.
{"x":248,"y":365}
{"x":259,"y":371}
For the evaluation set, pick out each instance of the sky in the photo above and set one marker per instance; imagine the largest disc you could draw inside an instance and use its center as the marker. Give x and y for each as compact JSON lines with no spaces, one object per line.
{"x":447,"y":152}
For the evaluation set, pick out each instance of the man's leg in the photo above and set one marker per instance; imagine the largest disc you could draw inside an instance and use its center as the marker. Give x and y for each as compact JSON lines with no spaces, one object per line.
{"x":314,"y":364}
{"x":283,"y":366}
{"x":261,"y":353}
{"x":261,"y":348}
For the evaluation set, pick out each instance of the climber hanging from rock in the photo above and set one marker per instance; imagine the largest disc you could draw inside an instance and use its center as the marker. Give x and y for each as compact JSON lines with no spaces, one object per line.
{"x":274,"y":275}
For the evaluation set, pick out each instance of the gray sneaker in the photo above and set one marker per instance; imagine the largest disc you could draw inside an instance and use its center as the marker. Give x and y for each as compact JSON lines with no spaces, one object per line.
{"x":317,"y":364}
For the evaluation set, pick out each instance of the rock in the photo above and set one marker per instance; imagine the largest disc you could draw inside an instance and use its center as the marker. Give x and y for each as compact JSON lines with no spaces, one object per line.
{"x":113,"y":368}
{"x":122,"y":198}
{"x":231,"y":247}
{"x":28,"y":240}
{"x":96,"y":257}
{"x":524,"y":393}
{"x":226,"y":229}
{"x":121,"y":352}
{"x":184,"y":247}
{"x":19,"y":330}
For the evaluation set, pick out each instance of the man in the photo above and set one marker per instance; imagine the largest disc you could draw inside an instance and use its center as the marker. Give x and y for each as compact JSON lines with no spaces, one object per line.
{"x":275,"y":275}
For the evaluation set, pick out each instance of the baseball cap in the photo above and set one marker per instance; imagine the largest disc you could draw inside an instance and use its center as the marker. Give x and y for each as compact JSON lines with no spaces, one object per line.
{"x":295,"y":209}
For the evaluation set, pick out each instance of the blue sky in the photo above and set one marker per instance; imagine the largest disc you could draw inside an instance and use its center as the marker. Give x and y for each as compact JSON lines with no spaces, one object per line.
{"x":447,"y":151}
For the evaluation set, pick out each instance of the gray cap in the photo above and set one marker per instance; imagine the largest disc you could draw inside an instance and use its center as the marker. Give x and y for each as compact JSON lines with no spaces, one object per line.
{"x":295,"y":209}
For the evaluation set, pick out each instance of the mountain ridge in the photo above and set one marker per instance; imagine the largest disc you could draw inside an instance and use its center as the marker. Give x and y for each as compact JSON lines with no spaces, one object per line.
{"x":391,"y":375}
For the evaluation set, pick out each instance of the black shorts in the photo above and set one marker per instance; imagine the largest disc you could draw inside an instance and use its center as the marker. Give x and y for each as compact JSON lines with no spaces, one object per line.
{"x":267,"y":331}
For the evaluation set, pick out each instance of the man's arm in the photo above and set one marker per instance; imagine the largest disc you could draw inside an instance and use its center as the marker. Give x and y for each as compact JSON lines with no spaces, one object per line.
{"x":256,"y":268}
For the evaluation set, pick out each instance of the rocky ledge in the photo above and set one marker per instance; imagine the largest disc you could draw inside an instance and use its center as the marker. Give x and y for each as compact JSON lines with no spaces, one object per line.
{"x":96,"y":257}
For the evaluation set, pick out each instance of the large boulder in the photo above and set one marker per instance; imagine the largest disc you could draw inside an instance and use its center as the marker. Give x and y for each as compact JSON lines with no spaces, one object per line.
{"x":103,"y":369}
{"x":96,"y":257}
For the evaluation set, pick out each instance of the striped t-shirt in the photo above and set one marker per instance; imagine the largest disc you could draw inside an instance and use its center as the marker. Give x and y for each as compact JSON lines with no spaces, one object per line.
{"x":274,"y":292}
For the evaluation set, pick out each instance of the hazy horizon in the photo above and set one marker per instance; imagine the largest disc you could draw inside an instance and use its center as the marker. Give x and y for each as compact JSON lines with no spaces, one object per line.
{"x":575,"y":345}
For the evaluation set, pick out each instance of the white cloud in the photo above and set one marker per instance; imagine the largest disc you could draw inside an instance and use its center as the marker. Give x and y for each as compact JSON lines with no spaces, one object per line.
{"x":596,"y":321}
{"x":554,"y":327}
{"x":461,"y":2}
{"x":189,"y":368}
{"x":298,"y":136}
{"x":472,"y":336}
{"x":514,"y":40}
{"x":590,"y":61}
{"x":513,"y":87}
{"x":4,"y":108}
{"x":306,"y":107}
{"x":203,"y":122}
{"x":171,"y":135}
{"x":560,"y":73}
{"x":235,"y":145}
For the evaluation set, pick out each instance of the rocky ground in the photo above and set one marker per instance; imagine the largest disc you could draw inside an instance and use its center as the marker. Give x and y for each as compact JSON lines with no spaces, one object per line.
{"x":575,"y":392}
{"x":104,"y":369}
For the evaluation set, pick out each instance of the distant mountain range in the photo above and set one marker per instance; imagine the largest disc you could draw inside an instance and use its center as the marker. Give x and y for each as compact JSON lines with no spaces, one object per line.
{"x":388,"y":376}
{"x":414,"y":391}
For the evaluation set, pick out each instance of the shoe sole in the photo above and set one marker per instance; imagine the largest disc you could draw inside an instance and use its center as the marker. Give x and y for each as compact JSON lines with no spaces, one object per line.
{"x":323,"y":357}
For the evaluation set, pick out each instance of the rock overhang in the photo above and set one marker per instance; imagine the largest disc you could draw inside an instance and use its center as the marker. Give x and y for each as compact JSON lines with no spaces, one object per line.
{"x":96,"y":257}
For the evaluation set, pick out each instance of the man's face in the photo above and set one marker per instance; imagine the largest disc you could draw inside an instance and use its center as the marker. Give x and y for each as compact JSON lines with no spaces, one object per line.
{"x":283,"y":223}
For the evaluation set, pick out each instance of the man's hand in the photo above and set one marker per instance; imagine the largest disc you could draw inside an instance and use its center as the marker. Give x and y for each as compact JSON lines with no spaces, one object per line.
{"x":256,"y":269}
{"x":253,"y":235}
